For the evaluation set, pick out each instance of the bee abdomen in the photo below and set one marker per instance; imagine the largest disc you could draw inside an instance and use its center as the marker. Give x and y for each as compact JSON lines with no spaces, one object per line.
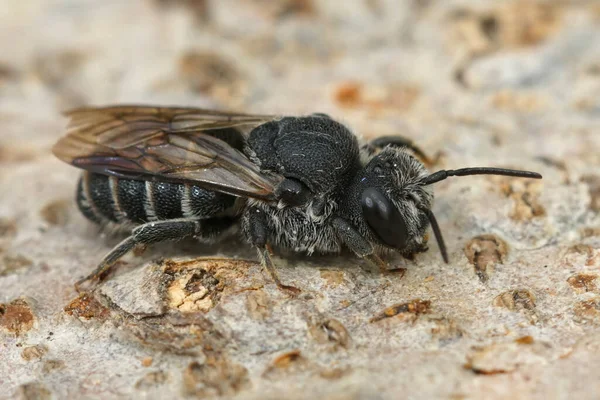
{"x":131,"y":196}
{"x":87,"y":208}
{"x":95,"y":199}
{"x":163,"y":201}
{"x":104,"y":199}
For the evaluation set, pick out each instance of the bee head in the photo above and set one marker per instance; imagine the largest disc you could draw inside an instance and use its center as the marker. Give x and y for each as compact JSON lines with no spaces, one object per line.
{"x":393,"y":201}
{"x":396,"y":198}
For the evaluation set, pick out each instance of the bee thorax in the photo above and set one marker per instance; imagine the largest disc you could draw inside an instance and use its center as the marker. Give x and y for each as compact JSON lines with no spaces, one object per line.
{"x":297,"y":228}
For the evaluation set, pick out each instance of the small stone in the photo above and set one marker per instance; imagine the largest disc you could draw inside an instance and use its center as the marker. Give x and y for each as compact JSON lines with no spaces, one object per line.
{"x":258,"y":304}
{"x":485,"y":252}
{"x":8,"y":227}
{"x":412,"y":309}
{"x":56,"y":212}
{"x":52,"y":365}
{"x":85,"y":306}
{"x":593,"y":182}
{"x":151,"y":380}
{"x":216,"y":377}
{"x":587,"y":310}
{"x":34,"y":391}
{"x":331,"y":331}
{"x":285,"y":364}
{"x":498,"y":358}
{"x":34,"y":352}
{"x":16,"y":317}
{"x":10,"y":264}
{"x":582,"y":283}
{"x":520,"y":299}
{"x":147,"y":361}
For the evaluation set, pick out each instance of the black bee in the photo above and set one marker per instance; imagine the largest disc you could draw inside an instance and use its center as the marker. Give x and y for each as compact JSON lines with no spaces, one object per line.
{"x":297,"y":183}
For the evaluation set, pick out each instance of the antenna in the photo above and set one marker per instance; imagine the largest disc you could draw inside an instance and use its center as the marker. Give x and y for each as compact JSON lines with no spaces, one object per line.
{"x":445,"y":173}
{"x":438,"y":234}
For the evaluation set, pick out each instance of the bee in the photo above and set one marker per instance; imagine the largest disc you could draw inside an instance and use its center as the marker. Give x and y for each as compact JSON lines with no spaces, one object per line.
{"x":303,"y":184}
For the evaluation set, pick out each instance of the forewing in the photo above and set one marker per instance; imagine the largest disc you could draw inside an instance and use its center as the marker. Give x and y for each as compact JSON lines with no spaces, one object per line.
{"x":165,"y":144}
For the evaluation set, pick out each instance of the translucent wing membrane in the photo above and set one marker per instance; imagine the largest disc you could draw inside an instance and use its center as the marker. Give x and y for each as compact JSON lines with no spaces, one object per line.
{"x":166,"y":144}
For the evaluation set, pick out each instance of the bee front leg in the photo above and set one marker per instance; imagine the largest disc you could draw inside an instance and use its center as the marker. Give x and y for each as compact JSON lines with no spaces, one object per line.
{"x":357,"y":243}
{"x":150,"y":233}
{"x":257,"y":232}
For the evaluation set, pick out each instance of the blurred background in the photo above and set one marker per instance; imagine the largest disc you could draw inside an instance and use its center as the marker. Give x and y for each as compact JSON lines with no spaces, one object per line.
{"x":491,"y":83}
{"x":420,"y":67}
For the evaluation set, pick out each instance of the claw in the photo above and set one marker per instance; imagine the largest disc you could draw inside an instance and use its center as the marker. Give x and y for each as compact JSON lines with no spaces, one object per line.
{"x":265,"y":259}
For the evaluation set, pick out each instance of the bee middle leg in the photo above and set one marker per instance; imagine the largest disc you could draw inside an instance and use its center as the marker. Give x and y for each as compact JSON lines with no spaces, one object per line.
{"x":147,"y":234}
{"x":258,"y":233}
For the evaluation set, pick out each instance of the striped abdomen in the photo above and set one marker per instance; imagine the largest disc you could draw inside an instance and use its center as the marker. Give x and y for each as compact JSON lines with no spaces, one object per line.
{"x":104,"y":199}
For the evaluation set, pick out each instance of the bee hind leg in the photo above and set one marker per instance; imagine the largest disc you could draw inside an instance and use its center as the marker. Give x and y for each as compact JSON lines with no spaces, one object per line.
{"x":398,"y":141}
{"x":149,"y":233}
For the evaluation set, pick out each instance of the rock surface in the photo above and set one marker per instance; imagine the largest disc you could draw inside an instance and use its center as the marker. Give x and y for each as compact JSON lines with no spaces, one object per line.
{"x":515,"y":314}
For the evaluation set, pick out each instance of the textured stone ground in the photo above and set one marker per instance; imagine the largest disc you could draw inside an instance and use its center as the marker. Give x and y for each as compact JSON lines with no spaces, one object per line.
{"x":516,"y":313}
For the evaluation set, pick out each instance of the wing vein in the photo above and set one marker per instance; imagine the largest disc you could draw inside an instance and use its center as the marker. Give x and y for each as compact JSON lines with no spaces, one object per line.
{"x":167,"y":144}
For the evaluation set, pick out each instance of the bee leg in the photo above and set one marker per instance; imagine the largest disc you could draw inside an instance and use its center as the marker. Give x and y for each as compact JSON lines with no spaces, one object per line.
{"x":257,"y":233}
{"x":264,"y":254}
{"x":357,"y":243}
{"x":397,"y":141}
{"x":378,"y":262}
{"x":150,"y":233}
{"x":352,"y":238}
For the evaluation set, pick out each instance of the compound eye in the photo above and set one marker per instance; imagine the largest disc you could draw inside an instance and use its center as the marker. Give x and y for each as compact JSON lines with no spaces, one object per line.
{"x":384,"y":219}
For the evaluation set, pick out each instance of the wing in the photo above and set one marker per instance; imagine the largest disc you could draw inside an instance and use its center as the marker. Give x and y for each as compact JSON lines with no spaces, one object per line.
{"x":166,"y":144}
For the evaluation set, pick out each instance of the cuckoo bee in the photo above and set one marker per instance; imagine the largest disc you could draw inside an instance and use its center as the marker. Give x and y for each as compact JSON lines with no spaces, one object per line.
{"x":303,"y":183}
